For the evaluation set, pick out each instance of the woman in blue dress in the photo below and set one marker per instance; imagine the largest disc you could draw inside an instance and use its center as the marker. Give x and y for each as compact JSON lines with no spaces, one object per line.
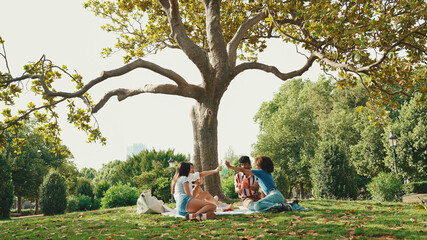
{"x":186,"y":205}
{"x":273,"y":200}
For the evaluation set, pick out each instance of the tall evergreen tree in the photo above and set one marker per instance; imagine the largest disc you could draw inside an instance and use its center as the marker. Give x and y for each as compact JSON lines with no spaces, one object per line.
{"x":53,"y":194}
{"x":331,"y":172}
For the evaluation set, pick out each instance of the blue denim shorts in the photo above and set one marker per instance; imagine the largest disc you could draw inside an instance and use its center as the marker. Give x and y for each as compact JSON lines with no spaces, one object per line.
{"x":181,"y":204}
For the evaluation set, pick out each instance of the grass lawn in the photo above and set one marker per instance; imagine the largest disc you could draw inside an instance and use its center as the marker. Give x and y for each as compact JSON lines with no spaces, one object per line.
{"x":326,"y":219}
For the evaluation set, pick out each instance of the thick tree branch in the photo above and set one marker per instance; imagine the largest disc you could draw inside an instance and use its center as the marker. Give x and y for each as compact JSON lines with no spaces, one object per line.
{"x":215,"y":38}
{"x":178,"y":33}
{"x":272,"y":69}
{"x":239,"y":35}
{"x":190,"y":91}
{"x":119,"y":72}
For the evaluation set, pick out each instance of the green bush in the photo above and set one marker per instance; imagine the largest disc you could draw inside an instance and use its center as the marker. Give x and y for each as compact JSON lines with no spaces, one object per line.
{"x":6,"y":188}
{"x":119,"y":196}
{"x":24,"y":212}
{"x":101,"y":188}
{"x":332,"y":174}
{"x":96,"y":204}
{"x":228,"y":188}
{"x":84,"y":187}
{"x":282,"y":181}
{"x":386,"y":187}
{"x":72,"y":204}
{"x":53,"y":194}
{"x":415,"y":187}
{"x":84,"y":202}
{"x":157,"y":180}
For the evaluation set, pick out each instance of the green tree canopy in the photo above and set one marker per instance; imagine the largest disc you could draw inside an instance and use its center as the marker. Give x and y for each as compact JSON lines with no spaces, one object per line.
{"x":411,"y":150}
{"x":88,"y":173}
{"x":288,"y":131}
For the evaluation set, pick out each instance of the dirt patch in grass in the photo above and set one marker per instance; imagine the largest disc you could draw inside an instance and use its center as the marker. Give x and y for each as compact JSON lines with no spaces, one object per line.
{"x":414,"y":198}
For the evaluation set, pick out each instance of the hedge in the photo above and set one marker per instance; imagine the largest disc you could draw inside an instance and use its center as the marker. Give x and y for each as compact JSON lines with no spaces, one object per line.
{"x":415,"y":187}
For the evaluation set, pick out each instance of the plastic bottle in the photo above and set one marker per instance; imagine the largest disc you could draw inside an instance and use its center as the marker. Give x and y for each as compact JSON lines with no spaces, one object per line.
{"x":243,"y":183}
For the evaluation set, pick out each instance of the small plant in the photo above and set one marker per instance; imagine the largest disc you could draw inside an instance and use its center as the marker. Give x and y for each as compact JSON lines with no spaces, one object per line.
{"x":386,"y":187}
{"x":119,"y":196}
{"x":53,"y":196}
{"x":84,"y":202}
{"x":72,"y":204}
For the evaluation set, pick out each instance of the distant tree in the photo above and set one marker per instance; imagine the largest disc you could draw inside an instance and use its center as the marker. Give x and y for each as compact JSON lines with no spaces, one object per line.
{"x":332,"y":174}
{"x":108,"y":172}
{"x":84,"y":187}
{"x":158,"y":180}
{"x":384,"y":40}
{"x":6,"y":187}
{"x":69,"y":171}
{"x":88,"y":173}
{"x":144,"y":162}
{"x":288,"y":133}
{"x":32,"y":162}
{"x":101,"y":188}
{"x":53,"y":195}
{"x":411,"y":150}
{"x":368,"y":155}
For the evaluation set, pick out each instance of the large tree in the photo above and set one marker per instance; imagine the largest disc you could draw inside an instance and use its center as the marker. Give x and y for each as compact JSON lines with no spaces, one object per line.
{"x":289,"y":131}
{"x":32,"y":163}
{"x":411,"y":150}
{"x":384,"y":40}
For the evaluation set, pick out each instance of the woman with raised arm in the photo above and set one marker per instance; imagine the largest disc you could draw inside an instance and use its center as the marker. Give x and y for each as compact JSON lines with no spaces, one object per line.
{"x":186,"y":205}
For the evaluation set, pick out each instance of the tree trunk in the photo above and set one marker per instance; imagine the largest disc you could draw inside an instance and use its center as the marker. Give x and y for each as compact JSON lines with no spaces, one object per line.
{"x":205,"y":133}
{"x":19,"y":204}
{"x":301,"y":189}
{"x":37,"y":207}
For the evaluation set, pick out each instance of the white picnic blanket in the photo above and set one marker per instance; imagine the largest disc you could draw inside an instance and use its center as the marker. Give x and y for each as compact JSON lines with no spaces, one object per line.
{"x":237,"y":210}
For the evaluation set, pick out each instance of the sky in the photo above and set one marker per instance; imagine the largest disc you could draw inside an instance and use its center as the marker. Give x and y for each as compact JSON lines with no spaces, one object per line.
{"x":70,"y":35}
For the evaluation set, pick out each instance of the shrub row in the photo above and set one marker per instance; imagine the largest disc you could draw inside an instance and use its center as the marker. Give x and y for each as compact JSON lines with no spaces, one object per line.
{"x":415,"y":187}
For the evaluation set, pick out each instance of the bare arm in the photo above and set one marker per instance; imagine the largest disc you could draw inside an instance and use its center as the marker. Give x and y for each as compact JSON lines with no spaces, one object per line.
{"x":207,"y":173}
{"x":187,"y":189}
{"x":255,"y":187}
{"x":239,"y":169}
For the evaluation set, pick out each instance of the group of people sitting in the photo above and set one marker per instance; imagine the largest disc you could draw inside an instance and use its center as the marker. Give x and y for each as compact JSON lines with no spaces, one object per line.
{"x":194,"y":203}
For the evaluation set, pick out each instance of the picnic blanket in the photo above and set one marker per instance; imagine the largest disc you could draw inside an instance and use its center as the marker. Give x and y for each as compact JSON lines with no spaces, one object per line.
{"x":237,"y":210}
{"x":172,"y":213}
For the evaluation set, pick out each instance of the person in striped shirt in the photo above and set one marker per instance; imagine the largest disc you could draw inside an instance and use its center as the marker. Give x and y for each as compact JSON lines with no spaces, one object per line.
{"x":246,"y":185}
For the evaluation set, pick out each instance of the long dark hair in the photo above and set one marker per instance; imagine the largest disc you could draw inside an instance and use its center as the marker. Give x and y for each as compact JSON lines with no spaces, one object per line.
{"x":183,"y":169}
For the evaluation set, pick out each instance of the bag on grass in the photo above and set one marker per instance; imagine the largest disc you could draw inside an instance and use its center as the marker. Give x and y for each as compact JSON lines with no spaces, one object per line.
{"x":149,"y":204}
